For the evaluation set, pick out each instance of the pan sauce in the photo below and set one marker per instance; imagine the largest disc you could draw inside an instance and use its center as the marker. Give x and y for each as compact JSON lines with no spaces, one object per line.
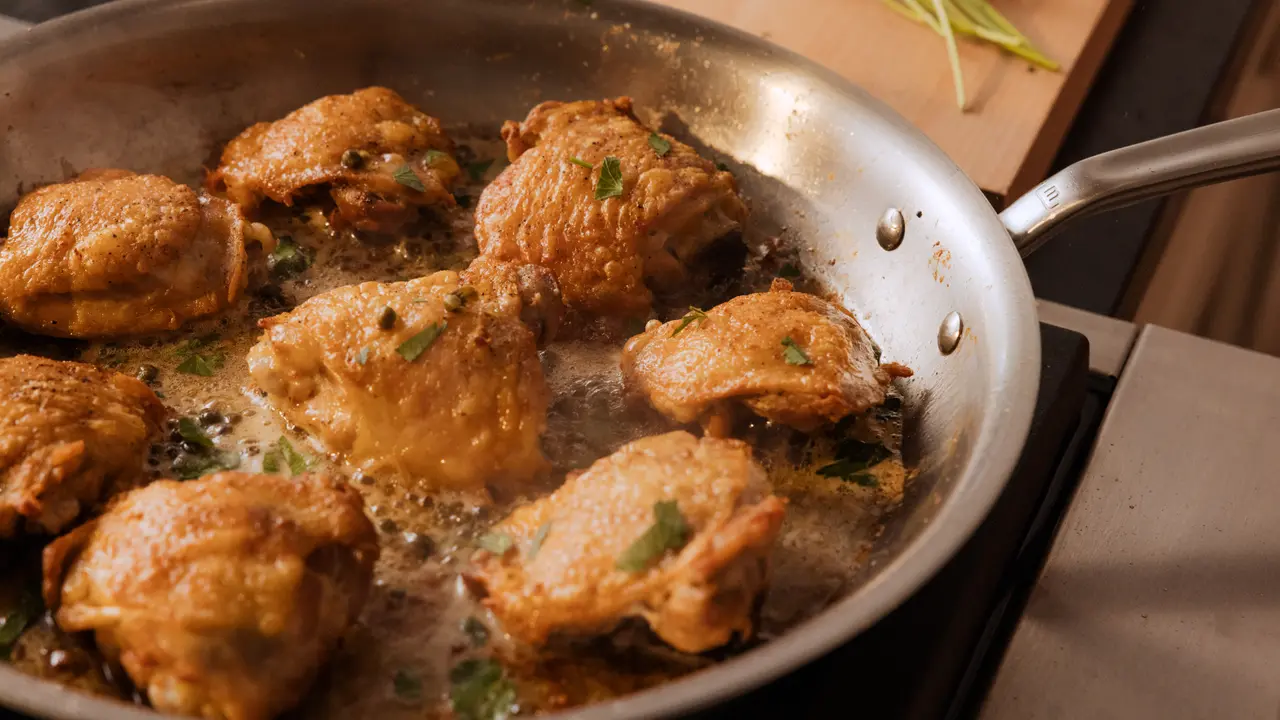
{"x":419,"y":620}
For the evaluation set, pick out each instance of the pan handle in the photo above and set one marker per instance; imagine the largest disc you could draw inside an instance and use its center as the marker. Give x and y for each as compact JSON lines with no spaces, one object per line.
{"x":1203,"y":156}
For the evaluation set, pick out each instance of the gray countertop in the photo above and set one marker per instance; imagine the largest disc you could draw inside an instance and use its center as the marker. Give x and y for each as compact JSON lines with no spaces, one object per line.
{"x":1161,"y":596}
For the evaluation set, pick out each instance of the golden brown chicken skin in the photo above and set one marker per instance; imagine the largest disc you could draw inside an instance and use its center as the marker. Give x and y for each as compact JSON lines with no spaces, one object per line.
{"x":428,"y":380}
{"x":585,"y":573}
{"x":69,"y":434}
{"x":112,"y":253}
{"x":606,"y":254}
{"x":790,"y":357}
{"x":381,"y":159}
{"x":220,"y":597}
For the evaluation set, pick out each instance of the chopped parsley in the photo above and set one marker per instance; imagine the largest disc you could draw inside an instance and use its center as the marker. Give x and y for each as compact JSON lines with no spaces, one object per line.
{"x":669,"y":531}
{"x":477,"y":169}
{"x":480,"y":690}
{"x":693,"y":314}
{"x":284,"y":455}
{"x":196,"y":360}
{"x":792,"y":353}
{"x":191,"y":431}
{"x":581,"y":163}
{"x":475,"y":631}
{"x":17,"y":620}
{"x":610,"y":182}
{"x":436,"y":158}
{"x":790,"y":270}
{"x":413,"y":347}
{"x":660,"y":145}
{"x":853,"y":460}
{"x":288,"y":259}
{"x":408,"y":178}
{"x":495,"y":542}
{"x":190,"y":466}
{"x":538,"y":538}
{"x":406,"y":686}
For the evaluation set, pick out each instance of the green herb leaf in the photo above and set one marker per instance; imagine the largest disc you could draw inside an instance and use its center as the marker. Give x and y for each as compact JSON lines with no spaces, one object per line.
{"x":191,"y":466}
{"x":610,"y":182}
{"x":792,"y":353}
{"x":191,"y":431}
{"x":693,"y":314}
{"x":477,"y":169}
{"x":722,"y":167}
{"x":480,"y":690}
{"x":202,"y":365}
{"x":853,"y":458}
{"x":790,"y":270}
{"x":297,"y":462}
{"x":413,"y":347}
{"x":581,"y":163}
{"x":660,"y":145}
{"x":407,"y":687}
{"x":538,"y":538}
{"x":288,"y":259}
{"x":408,"y":178}
{"x":433,"y":157}
{"x":668,"y":532}
{"x":475,"y":631}
{"x":271,"y":461}
{"x":495,"y":542}
{"x":17,"y":620}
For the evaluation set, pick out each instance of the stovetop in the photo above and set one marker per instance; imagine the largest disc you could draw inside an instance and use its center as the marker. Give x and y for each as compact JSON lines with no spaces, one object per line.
{"x":935,"y":656}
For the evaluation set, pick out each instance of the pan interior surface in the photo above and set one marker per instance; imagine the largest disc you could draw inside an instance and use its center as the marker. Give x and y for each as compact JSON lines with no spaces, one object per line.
{"x":159,"y":86}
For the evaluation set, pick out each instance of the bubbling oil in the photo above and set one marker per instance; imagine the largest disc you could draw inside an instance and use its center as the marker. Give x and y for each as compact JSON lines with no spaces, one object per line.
{"x":416,"y":618}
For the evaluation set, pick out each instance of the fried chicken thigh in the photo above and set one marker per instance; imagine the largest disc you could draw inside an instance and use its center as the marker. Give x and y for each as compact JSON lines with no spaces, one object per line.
{"x":428,"y":379}
{"x":220,"y":597}
{"x":380,"y":157}
{"x":603,"y":547}
{"x":112,"y":253}
{"x":69,"y":433}
{"x":606,"y":254}
{"x":790,"y":357}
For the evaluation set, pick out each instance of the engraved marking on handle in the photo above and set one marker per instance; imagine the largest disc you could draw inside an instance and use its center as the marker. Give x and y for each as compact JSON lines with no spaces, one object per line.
{"x":1049,"y":195}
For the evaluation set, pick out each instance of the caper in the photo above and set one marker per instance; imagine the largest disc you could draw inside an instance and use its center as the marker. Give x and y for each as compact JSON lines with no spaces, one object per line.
{"x":419,"y":543}
{"x":352,"y":159}
{"x":148,"y":373}
{"x":190,"y":447}
{"x":387,"y":319}
{"x":209,"y":416}
{"x":453,"y":302}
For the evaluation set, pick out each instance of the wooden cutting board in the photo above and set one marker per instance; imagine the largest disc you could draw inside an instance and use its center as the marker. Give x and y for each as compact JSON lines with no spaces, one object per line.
{"x":1016,"y":118}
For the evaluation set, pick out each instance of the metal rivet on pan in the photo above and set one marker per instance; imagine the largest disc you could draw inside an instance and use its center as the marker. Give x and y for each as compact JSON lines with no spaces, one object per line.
{"x":890,"y":229}
{"x":949,"y":332}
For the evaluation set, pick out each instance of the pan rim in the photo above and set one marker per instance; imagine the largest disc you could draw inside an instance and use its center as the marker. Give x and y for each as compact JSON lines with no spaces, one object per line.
{"x":983,"y":479}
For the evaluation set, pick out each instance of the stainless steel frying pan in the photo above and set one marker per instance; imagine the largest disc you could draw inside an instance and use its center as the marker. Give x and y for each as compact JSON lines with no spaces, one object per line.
{"x":893,"y":225}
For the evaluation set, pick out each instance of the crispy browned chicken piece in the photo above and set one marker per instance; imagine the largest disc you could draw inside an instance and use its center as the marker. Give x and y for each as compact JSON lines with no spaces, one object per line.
{"x":381,"y":158}
{"x":605,"y":253}
{"x":220,"y":597}
{"x":113,"y":253}
{"x":584,"y":575}
{"x":69,"y":433}
{"x":527,"y":291}
{"x":790,"y":357}
{"x":388,"y":376}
